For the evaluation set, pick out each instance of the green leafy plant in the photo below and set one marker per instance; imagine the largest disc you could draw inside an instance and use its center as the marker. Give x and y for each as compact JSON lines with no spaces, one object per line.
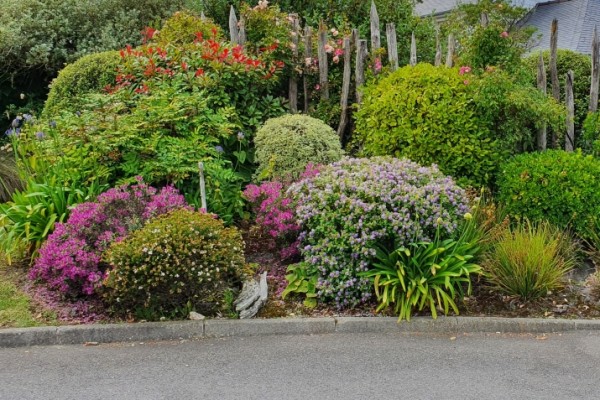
{"x":178,"y":258}
{"x":529,"y":260}
{"x":591,"y":134}
{"x":427,"y":114}
{"x":89,"y":74}
{"x":287,"y":144}
{"x":425,"y":275}
{"x":28,"y":219}
{"x":10,"y":181}
{"x":302,"y":280}
{"x":560,"y":187}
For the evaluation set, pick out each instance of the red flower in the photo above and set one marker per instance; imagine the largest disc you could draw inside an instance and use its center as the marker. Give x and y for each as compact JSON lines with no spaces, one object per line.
{"x":199,"y":37}
{"x":184,"y":66}
{"x":199,"y":72}
{"x":148,"y":33}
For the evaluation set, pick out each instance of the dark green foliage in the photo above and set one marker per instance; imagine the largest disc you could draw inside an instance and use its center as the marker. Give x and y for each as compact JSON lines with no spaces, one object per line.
{"x":590,"y":140}
{"x":10,"y":180}
{"x":89,"y":74}
{"x":426,"y":114}
{"x":557,"y":186}
{"x":179,"y":262}
{"x":567,"y":60}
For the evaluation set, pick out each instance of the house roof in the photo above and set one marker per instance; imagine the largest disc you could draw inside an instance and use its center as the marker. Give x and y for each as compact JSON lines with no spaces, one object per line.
{"x":576,"y":22}
{"x":440,"y":7}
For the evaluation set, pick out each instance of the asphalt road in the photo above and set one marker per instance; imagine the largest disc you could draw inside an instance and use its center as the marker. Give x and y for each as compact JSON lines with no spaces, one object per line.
{"x":338,"y":366}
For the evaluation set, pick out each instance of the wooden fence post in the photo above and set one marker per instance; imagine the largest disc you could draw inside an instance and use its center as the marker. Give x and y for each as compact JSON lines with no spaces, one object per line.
{"x":234,"y":33}
{"x":484,"y":20}
{"x":242,"y":31}
{"x":323,"y":67}
{"x":542,"y":85}
{"x":202,"y":16}
{"x":392,"y":45}
{"x":554,"y":70}
{"x":570,"y":138}
{"x":413,"y":50}
{"x":345,"y":87}
{"x":450,"y":55}
{"x":438,"y":49}
{"x":595,"y":72}
{"x":359,"y":73}
{"x":293,"y":86}
{"x":307,"y":59}
{"x":375,"y":32}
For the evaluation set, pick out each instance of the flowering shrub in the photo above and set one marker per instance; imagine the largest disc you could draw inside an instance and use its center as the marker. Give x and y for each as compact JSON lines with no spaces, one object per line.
{"x":70,"y":261}
{"x":287,"y":144}
{"x":355,"y":204}
{"x":178,"y":262}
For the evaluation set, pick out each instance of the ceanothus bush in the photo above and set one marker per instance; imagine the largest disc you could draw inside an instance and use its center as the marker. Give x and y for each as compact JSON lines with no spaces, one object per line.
{"x":356,"y":204}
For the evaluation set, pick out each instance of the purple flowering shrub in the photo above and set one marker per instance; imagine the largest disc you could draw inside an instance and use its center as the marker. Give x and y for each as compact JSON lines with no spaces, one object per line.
{"x":354,"y":205}
{"x":70,"y":261}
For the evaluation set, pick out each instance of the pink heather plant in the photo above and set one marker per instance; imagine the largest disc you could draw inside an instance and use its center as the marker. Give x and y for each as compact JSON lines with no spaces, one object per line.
{"x":275,"y":212}
{"x":69,"y":261}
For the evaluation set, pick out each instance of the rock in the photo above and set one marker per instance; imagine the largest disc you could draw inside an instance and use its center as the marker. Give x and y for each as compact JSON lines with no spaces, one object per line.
{"x":250,"y":293}
{"x":254,"y":295}
{"x":194,"y":316}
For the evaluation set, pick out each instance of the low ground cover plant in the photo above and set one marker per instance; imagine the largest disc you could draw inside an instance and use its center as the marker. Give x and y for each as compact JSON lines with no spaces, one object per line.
{"x":70,"y":262}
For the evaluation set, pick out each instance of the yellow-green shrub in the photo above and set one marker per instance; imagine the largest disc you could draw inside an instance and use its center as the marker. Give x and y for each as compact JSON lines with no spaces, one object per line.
{"x":89,"y":74}
{"x":178,"y":262}
{"x":426,"y":114}
{"x":182,"y":28}
{"x":285,"y":145}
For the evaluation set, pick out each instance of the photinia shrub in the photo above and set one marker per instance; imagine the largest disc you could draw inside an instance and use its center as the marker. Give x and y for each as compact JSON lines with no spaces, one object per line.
{"x":70,"y":261}
{"x":354,"y":205}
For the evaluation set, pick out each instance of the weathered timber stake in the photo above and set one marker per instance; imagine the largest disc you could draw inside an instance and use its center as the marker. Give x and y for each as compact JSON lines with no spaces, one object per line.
{"x":554,"y":71}
{"x":242,"y":31}
{"x":375,"y":32}
{"x":595,"y":86}
{"x":323,"y":70}
{"x":234,"y":32}
{"x":570,"y":138}
{"x":293,"y":85}
{"x":345,"y":87}
{"x":307,"y":62}
{"x":413,"y":50}
{"x":438,"y":49}
{"x":542,"y":86}
{"x":392,"y":45}
{"x":359,"y":73}
{"x":450,"y":55}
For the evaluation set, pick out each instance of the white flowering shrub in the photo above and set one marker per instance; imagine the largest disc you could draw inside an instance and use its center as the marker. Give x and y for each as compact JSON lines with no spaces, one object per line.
{"x":178,"y":262}
{"x":356,"y":205}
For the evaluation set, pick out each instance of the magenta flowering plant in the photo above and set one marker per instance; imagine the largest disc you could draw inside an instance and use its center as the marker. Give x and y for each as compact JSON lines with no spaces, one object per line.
{"x":356,"y":205}
{"x":70,"y":261}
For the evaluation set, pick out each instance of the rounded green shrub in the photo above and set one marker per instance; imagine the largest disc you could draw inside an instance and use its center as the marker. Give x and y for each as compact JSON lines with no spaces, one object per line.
{"x":426,"y":114}
{"x":184,"y":27}
{"x":287,"y":144}
{"x":178,"y":262}
{"x":89,"y":74}
{"x":566,"y":60}
{"x":562,"y":188}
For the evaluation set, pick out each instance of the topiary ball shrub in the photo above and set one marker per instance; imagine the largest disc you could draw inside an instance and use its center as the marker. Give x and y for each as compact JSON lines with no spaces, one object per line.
{"x":287,"y":144}
{"x":70,"y":261}
{"x":178,"y":262}
{"x":89,"y":74}
{"x":183,"y":28}
{"x":426,"y":114}
{"x":562,"y":188}
{"x":357,"y":204}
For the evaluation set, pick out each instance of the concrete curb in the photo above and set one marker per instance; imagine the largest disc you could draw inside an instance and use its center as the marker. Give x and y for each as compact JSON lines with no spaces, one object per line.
{"x":211,"y":328}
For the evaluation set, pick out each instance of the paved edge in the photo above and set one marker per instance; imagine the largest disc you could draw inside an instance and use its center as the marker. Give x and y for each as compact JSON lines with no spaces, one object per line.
{"x":212,"y":328}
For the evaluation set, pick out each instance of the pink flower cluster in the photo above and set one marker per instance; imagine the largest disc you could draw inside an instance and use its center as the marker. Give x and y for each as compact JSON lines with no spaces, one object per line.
{"x":70,"y":261}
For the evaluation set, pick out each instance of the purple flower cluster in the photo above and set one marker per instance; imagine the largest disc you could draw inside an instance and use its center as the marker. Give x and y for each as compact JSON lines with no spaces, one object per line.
{"x":70,"y":261}
{"x":355,"y":204}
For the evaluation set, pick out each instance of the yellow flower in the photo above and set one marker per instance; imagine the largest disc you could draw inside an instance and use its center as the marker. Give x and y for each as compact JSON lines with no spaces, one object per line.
{"x":468,"y":216}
